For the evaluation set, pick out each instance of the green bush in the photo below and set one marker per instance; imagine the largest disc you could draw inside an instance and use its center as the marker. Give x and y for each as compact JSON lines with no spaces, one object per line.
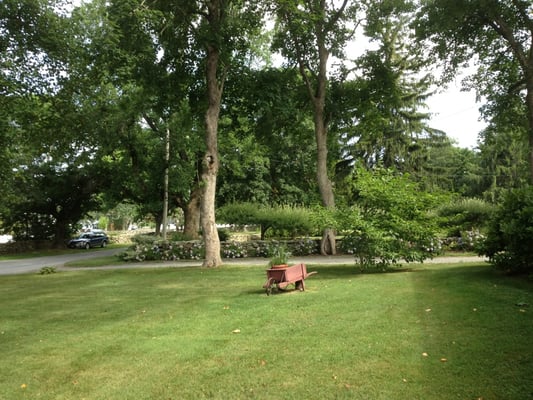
{"x":276,"y":222}
{"x":509,"y":241}
{"x":224,"y":234}
{"x":390,"y":221}
{"x":47,"y":270}
{"x":465,"y":215}
{"x":238,"y":214}
{"x":144,"y":239}
{"x":179,"y":237}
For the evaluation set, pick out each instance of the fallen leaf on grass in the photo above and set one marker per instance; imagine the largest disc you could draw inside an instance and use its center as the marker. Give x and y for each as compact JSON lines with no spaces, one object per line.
{"x":443,"y":360}
{"x":424,"y":354}
{"x":23,"y":386}
{"x":236,"y":331}
{"x":428,"y":309}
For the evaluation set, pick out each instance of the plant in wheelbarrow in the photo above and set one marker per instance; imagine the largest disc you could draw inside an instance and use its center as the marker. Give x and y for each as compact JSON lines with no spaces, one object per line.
{"x":279,"y":258}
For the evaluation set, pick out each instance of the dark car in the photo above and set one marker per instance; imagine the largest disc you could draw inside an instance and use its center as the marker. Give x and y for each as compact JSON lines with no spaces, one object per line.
{"x":88,"y":240}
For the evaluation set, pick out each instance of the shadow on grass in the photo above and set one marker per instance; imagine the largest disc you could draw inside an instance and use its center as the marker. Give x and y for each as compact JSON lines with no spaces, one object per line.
{"x":353,"y":270}
{"x":335,"y":271}
{"x":473,"y":329}
{"x":475,"y":272}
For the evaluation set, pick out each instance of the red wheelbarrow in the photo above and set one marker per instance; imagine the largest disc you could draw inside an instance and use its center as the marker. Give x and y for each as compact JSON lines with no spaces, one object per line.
{"x":284,"y":275}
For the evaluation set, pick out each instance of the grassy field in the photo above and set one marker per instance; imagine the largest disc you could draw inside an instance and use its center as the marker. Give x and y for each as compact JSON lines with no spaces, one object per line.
{"x":451,"y":331}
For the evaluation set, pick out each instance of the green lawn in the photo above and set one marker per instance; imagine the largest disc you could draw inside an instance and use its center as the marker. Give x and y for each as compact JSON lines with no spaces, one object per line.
{"x":437,"y":332}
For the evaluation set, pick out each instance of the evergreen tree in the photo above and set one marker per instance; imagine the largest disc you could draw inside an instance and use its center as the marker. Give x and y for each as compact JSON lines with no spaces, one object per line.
{"x":391,"y":128}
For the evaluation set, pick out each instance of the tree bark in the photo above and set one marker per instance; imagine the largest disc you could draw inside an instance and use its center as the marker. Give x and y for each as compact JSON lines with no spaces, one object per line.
{"x":165,"y":184}
{"x":191,"y":214}
{"x":60,"y":236}
{"x":325,"y":186}
{"x":529,"y":104}
{"x":210,"y":162}
{"x":158,"y":224}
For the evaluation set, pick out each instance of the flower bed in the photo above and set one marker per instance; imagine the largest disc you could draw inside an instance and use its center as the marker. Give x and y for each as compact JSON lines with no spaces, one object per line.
{"x":150,"y":248}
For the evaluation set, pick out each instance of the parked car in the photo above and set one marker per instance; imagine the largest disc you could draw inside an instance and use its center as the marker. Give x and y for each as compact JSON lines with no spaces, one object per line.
{"x":88,"y":240}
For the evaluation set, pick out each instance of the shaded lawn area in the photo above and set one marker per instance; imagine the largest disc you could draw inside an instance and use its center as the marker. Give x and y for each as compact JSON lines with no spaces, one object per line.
{"x":438,"y":332}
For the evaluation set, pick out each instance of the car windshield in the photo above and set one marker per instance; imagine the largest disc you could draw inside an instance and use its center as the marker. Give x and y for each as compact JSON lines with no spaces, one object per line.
{"x":85,"y":236}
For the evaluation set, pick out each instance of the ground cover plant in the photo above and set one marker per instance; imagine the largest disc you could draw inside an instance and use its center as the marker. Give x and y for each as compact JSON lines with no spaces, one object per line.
{"x":453,"y":331}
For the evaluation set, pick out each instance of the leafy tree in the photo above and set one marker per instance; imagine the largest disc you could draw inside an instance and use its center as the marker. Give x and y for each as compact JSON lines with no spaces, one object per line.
{"x":499,"y":35}
{"x":308,"y":33}
{"x":204,"y":38}
{"x":143,"y":82}
{"x":57,"y":149}
{"x":452,"y":169}
{"x":223,"y":26}
{"x":54,"y":182}
{"x":503,"y":157}
{"x":391,"y":129}
{"x":267,"y":150}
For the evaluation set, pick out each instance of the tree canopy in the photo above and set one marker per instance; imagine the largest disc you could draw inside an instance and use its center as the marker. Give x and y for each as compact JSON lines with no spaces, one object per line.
{"x":257,"y":103}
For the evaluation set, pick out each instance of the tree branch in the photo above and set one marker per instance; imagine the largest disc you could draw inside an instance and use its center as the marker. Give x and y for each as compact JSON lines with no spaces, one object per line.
{"x":150,"y":122}
{"x":337,"y":15}
{"x":501,"y":27}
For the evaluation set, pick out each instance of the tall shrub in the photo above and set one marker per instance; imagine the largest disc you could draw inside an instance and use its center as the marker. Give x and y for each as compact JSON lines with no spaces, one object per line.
{"x":289,"y":221}
{"x":509,"y":241}
{"x":465,"y":222}
{"x":390,"y":221}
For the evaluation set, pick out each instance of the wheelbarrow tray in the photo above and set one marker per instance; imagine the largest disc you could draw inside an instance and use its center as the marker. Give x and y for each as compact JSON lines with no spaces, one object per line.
{"x":284,"y":276}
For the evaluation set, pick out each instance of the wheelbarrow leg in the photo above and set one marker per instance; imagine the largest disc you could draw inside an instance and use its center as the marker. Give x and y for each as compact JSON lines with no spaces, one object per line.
{"x":300,"y":285}
{"x":268,"y":286}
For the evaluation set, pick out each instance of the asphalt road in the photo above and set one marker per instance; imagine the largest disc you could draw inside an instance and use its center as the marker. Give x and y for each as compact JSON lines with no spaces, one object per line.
{"x":32,"y":265}
{"x":27,"y":265}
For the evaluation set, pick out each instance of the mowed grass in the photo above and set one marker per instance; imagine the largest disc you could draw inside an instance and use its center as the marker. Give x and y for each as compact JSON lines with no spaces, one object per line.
{"x":450,"y":331}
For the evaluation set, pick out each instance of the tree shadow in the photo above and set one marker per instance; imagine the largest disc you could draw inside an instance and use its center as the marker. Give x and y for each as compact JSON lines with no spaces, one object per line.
{"x":471,"y":328}
{"x":354,"y":270}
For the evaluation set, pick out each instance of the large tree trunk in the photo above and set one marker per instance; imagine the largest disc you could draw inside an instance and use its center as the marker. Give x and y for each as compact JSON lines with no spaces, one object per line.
{"x":529,"y":104}
{"x":158,"y":223}
{"x":60,"y":234}
{"x":165,"y":184}
{"x":191,"y":214}
{"x":210,"y":160}
{"x":328,"y":242}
